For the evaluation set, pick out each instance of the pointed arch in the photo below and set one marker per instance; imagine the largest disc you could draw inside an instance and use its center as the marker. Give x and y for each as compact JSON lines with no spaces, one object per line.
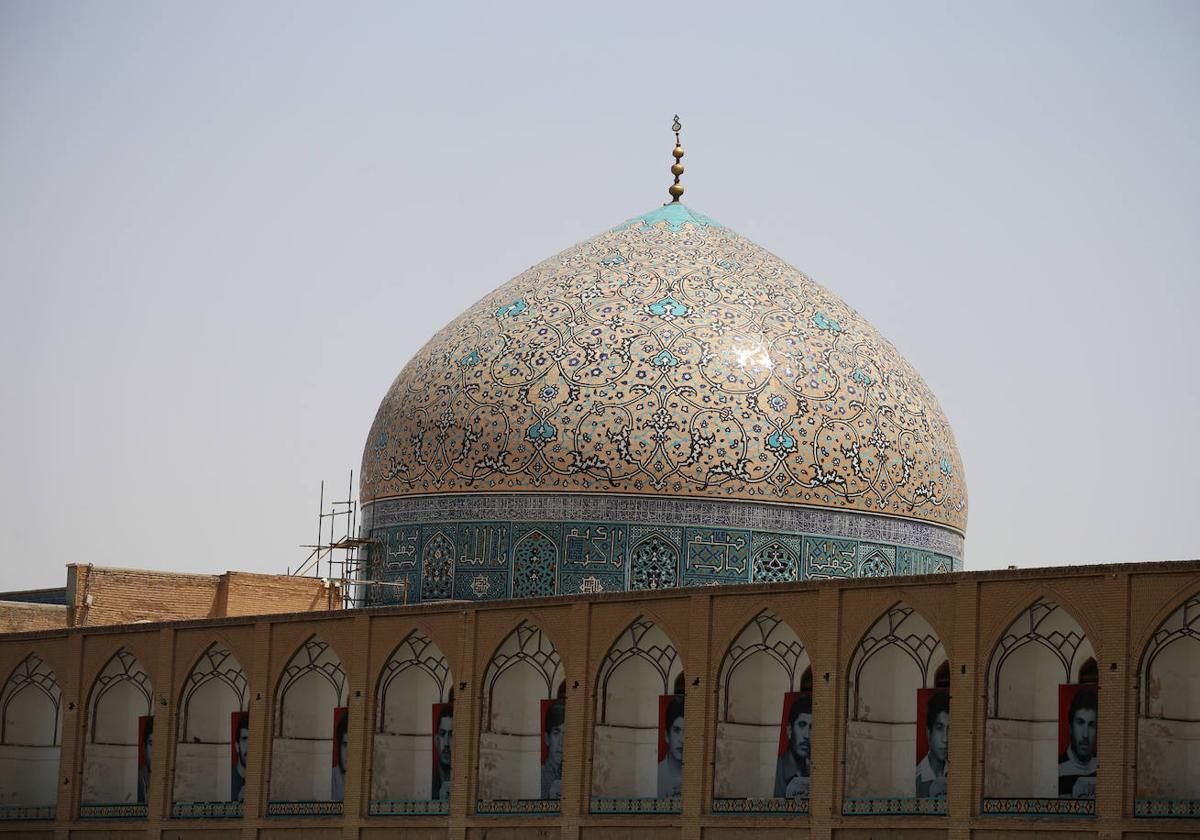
{"x":31,"y":674}
{"x":120,"y":709}
{"x":765,"y":636}
{"x":122,"y":673}
{"x":523,"y":673}
{"x":901,"y":631}
{"x":213,"y":702}
{"x":535,"y":565}
{"x":413,"y":692}
{"x":1168,"y":715}
{"x":1043,"y":646}
{"x":1056,"y":633}
{"x":895,"y":659}
{"x":636,"y":676}
{"x":309,"y":692}
{"x":759,"y":678}
{"x":30,"y":739}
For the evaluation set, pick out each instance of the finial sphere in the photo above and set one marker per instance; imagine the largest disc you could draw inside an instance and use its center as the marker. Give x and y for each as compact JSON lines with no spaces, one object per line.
{"x":677,"y":169}
{"x":678,"y":152}
{"x":675,"y":190}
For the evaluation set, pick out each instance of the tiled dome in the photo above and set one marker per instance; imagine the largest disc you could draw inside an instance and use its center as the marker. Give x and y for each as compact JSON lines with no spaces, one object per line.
{"x":668,"y":356}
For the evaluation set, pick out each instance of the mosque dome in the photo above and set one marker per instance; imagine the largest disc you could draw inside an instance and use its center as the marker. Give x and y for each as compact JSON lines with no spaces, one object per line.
{"x":665,"y":372}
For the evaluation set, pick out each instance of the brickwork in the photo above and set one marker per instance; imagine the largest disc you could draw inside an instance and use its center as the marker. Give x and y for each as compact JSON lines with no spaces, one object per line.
{"x":1118,"y":606}
{"x":17,"y":617}
{"x":99,"y":596}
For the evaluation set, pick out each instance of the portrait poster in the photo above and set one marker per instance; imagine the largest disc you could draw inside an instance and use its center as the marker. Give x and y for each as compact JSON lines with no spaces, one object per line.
{"x":337,"y":782}
{"x":1078,"y":713}
{"x":441,"y":751}
{"x":793,"y":763}
{"x":788,"y":699}
{"x":670,"y":745}
{"x":553,"y":716}
{"x":145,"y":755}
{"x":546,"y":704}
{"x":933,"y":741}
{"x":664,"y":700}
{"x":239,"y":727}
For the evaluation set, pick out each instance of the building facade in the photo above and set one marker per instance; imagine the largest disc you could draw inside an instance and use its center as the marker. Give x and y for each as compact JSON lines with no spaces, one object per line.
{"x":439,"y":715}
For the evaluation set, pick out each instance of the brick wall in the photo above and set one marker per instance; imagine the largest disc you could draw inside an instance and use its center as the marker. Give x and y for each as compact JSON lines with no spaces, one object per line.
{"x":101,"y":596}
{"x":1118,"y":606}
{"x":19,"y":617}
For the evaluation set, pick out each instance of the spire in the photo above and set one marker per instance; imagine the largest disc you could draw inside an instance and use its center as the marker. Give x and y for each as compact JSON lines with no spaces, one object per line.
{"x":676,"y":189}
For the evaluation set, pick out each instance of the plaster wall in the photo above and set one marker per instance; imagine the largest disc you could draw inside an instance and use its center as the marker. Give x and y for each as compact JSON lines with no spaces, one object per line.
{"x":402,"y":767}
{"x":31,"y":718}
{"x":510,"y":748}
{"x":509,"y":766}
{"x":110,"y":774}
{"x":403,"y":760}
{"x":881,"y":759}
{"x":1021,"y":759}
{"x":302,"y":769}
{"x":1168,"y":759}
{"x":28,"y":775}
{"x":745,"y":760}
{"x":625,"y":762}
{"x":1169,"y":735}
{"x":202,"y":772}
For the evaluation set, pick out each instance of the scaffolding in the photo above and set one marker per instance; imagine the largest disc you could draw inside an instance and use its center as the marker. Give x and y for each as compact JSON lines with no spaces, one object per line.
{"x":341,"y":552}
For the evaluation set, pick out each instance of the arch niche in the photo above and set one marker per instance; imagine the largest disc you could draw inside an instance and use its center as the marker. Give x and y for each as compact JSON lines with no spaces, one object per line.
{"x":629,"y":762}
{"x":523,"y":673}
{"x":760,"y":690}
{"x":414,"y":702}
{"x":303,"y":765}
{"x":1168,"y":757}
{"x":1044,"y":648}
{"x":30,"y":741}
{"x":118,"y":755}
{"x":213,"y":736}
{"x":898,"y":657}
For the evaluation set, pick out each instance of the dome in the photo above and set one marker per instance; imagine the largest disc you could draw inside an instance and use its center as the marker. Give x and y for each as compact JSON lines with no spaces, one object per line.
{"x":667,"y":361}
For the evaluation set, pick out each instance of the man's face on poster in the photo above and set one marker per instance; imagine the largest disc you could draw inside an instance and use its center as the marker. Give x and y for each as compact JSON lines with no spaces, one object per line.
{"x":799,"y":735}
{"x":675,"y":739}
{"x":243,"y":744}
{"x":342,"y":751}
{"x":1083,"y":733}
{"x":554,"y":744}
{"x":146,"y":747}
{"x":939,"y":736}
{"x":445,"y":741}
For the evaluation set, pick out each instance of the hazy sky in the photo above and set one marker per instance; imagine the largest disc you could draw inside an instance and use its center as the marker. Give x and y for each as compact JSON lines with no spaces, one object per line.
{"x":225,"y":227}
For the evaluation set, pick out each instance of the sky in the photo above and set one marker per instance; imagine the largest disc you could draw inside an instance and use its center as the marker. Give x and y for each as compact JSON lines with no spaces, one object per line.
{"x":226,"y":227}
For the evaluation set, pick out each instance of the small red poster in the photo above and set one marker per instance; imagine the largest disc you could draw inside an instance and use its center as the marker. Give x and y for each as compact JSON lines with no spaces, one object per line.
{"x":145,"y":732}
{"x":341,"y":724}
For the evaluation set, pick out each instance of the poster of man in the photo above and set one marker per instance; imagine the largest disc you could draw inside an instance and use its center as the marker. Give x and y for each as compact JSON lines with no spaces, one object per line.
{"x":443,"y":750}
{"x":793,"y":765}
{"x":933,"y":741}
{"x":239,"y":741}
{"x":554,"y":715}
{"x":670,"y":745}
{"x":1077,"y":713}
{"x":341,"y":732}
{"x":145,"y":743}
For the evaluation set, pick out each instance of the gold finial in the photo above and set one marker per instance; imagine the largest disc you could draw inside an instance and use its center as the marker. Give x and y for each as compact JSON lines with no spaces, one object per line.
{"x":676,"y":189}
